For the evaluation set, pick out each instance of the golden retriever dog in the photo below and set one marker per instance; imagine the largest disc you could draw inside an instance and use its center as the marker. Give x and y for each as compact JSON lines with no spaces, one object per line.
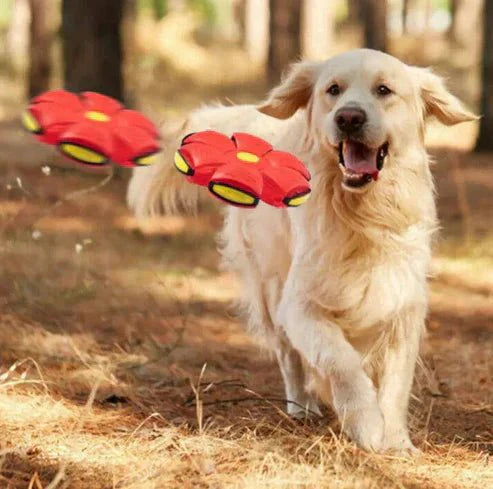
{"x":338,"y":286}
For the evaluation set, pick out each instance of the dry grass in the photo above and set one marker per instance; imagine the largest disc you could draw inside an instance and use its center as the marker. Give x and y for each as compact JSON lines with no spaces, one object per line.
{"x":106,"y":326}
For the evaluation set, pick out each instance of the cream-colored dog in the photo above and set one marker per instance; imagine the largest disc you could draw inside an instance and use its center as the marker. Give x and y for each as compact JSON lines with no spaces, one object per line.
{"x":337,"y":286}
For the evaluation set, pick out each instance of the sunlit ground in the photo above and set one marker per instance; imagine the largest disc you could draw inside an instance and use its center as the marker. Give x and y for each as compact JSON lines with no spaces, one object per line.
{"x":106,"y":325}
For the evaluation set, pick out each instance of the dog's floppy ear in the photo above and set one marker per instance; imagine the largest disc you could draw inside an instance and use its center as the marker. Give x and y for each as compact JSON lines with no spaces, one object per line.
{"x":293,"y":92}
{"x":438,"y":101}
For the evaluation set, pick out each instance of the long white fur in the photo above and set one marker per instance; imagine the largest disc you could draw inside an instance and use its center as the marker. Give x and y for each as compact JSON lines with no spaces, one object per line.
{"x":336,"y":287}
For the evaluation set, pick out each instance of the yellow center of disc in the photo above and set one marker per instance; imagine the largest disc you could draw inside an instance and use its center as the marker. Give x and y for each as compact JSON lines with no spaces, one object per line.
{"x":94,"y":115}
{"x":247,"y":157}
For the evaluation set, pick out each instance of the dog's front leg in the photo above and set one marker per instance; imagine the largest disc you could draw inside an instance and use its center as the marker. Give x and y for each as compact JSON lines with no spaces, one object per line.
{"x":325,"y":349}
{"x":396,"y":377}
{"x":300,"y":404}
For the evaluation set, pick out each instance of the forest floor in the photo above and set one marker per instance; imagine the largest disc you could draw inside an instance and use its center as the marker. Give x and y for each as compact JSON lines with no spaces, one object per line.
{"x":106,"y":326}
{"x":124,"y":365}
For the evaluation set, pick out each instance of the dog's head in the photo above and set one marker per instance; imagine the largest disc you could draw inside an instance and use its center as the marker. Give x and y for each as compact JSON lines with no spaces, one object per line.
{"x":365,"y":107}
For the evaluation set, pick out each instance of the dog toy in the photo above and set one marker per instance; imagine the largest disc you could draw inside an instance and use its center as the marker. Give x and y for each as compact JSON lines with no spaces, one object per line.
{"x":92,"y":129}
{"x":243,"y":169}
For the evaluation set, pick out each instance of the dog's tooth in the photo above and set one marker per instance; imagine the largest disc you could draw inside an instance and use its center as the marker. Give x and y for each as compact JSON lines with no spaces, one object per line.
{"x":380,"y":157}
{"x":341,"y":154}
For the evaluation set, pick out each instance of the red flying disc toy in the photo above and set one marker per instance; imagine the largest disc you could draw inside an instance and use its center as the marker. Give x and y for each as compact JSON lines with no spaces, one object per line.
{"x":243,"y":169}
{"x":92,"y":129}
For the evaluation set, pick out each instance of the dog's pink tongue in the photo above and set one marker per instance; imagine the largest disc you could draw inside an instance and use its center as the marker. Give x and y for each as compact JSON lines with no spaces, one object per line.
{"x":360,"y":158}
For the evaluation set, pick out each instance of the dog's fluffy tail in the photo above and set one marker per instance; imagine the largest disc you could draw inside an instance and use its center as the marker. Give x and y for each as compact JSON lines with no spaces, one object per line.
{"x":161,"y":189}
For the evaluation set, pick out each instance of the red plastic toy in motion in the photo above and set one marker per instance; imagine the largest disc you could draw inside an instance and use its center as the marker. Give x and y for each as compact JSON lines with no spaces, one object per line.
{"x":243,"y":169}
{"x":92,"y":129}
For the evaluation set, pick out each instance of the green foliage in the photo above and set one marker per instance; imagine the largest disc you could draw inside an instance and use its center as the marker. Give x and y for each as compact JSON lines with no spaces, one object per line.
{"x":159,"y":8}
{"x":441,"y":4}
{"x":206,"y":8}
{"x":5,"y":12}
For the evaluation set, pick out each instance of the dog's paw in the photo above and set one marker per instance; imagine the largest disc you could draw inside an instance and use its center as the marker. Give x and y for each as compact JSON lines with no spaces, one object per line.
{"x":399,"y":444}
{"x":409,"y":452}
{"x":311,"y":411}
{"x":365,"y":427}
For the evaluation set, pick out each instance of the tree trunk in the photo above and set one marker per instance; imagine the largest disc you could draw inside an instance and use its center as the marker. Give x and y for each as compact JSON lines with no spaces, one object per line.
{"x":39,"y":48}
{"x":17,"y":37}
{"x":404,"y":12}
{"x":454,"y":5}
{"x":354,"y":12}
{"x":374,"y":15}
{"x":428,"y":14}
{"x":285,"y":43}
{"x":92,"y":46}
{"x":318,"y":28}
{"x":128,"y":36}
{"x":485,"y":138}
{"x":239,"y":15}
{"x":462,"y":18}
{"x":257,"y":30}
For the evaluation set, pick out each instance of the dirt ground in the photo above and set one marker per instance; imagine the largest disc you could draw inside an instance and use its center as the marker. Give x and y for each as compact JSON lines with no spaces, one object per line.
{"x":124,"y":365}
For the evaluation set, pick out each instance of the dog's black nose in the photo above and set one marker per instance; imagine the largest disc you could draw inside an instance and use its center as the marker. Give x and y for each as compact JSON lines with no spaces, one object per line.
{"x":350,"y":119}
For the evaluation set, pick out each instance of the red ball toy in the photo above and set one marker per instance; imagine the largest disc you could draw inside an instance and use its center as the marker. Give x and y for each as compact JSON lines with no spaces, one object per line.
{"x":243,"y":169}
{"x":92,"y":129}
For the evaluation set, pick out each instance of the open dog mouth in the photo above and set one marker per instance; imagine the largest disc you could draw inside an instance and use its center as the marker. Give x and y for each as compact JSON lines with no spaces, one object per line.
{"x":360,"y":164}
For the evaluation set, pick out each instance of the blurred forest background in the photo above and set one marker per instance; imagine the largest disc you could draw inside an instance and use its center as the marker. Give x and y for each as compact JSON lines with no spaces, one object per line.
{"x":122,"y":364}
{"x":182,"y":52}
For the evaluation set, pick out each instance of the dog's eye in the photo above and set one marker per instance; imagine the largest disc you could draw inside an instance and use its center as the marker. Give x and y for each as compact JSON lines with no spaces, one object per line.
{"x":334,"y":90}
{"x":383,"y":90}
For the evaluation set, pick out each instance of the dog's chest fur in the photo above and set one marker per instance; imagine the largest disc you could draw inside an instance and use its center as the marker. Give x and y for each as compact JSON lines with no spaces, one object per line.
{"x":356,"y":270}
{"x":369,"y":284}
